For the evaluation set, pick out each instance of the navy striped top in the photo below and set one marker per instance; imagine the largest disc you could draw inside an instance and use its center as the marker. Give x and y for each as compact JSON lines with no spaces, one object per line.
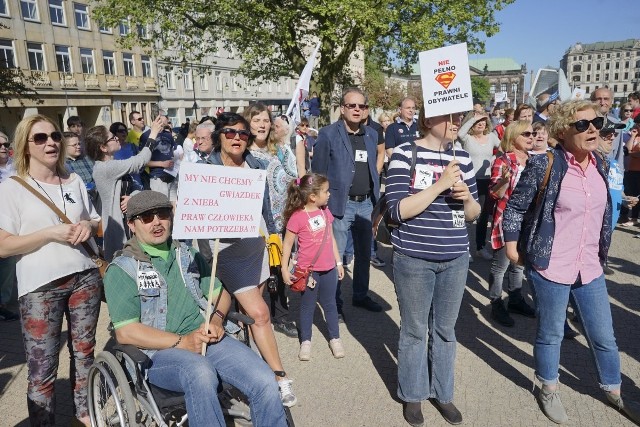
{"x":439,"y":233}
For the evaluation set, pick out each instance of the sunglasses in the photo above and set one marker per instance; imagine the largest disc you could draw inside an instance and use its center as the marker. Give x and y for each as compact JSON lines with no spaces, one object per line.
{"x":121,"y":130}
{"x":113,"y":138}
{"x":529,"y":134}
{"x":608,"y":133}
{"x":627,"y":111}
{"x":231,"y":134}
{"x":583,"y":125}
{"x":285,"y":118}
{"x":139,"y":119}
{"x":149,"y":216}
{"x":6,"y":144}
{"x":42,"y":138}
{"x":360,"y":106}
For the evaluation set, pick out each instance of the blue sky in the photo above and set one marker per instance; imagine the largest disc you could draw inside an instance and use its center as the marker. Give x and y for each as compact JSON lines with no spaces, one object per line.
{"x":538,"y":32}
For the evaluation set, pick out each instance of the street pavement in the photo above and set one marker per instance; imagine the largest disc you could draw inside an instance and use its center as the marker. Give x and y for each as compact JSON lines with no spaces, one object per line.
{"x":494,"y":367}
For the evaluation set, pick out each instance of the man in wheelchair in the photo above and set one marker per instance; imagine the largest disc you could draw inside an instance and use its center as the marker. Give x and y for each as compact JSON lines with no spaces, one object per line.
{"x":154,"y":289}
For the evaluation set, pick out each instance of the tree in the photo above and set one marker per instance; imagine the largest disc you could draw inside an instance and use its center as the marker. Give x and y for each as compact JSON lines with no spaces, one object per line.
{"x":480,"y":89}
{"x":14,"y":84}
{"x":274,"y":37}
{"x":383,"y":91}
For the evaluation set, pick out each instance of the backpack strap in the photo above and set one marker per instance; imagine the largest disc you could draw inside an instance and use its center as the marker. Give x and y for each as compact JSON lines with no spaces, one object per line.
{"x":545,"y":180}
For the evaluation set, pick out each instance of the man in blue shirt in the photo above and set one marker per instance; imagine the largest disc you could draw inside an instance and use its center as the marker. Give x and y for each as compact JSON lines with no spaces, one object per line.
{"x":404,"y":129}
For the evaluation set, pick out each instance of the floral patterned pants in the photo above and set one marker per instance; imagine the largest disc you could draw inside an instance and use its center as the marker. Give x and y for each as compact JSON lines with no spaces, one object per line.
{"x":76,"y":297}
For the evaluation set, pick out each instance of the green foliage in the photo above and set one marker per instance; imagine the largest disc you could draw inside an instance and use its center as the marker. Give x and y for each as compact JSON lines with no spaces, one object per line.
{"x":274,"y":37}
{"x":480,"y":88}
{"x":383,"y":91}
{"x":15,"y":85}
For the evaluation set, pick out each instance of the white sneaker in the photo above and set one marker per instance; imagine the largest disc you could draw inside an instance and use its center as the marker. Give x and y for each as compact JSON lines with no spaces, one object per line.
{"x":486,"y":253}
{"x":470,"y":258}
{"x":336,"y":348}
{"x":305,"y":351}
{"x":286,"y":393}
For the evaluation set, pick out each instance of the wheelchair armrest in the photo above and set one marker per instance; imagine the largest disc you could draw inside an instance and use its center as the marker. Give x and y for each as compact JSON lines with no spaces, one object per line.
{"x":236,"y":317}
{"x":134,"y":353}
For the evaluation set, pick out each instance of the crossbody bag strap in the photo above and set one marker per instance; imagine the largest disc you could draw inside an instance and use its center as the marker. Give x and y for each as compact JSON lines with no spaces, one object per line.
{"x":324,"y":239}
{"x":545,"y":180}
{"x":87,"y":247}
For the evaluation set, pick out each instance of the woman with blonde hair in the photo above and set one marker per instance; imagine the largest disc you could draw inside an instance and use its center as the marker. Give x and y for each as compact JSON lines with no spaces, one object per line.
{"x":56,"y":276}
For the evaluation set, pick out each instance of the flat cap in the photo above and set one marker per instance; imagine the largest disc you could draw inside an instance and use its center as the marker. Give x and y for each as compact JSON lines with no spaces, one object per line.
{"x":146,"y":201}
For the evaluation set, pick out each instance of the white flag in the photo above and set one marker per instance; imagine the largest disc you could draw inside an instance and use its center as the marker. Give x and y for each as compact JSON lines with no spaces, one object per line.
{"x":302,"y":88}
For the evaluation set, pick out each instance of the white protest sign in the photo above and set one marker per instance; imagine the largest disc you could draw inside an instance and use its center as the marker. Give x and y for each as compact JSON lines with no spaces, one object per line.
{"x":446,"y":80}
{"x":500,"y":97}
{"x":218,"y":202}
{"x":578,"y":94}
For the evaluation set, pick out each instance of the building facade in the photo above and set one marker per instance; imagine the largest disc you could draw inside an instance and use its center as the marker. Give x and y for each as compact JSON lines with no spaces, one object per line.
{"x":504,"y":75}
{"x":615,"y":65}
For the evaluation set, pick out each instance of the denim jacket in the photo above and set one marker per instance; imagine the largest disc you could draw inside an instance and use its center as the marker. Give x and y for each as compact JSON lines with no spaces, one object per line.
{"x":536,"y":223}
{"x":153,"y":301}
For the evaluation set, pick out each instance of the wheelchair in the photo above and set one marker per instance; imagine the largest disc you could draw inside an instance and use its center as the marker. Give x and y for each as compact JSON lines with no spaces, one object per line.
{"x":120,"y":395}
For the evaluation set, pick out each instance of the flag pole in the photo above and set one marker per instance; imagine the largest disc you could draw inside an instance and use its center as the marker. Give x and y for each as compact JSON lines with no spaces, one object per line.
{"x":212,"y":283}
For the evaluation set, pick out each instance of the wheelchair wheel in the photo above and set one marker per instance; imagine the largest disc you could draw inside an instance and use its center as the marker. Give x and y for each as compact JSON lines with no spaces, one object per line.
{"x":110,"y":399}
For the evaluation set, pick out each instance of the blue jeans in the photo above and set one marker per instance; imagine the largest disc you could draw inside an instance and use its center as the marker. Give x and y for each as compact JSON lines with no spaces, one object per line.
{"x":198,"y":378}
{"x":429,"y":295}
{"x":591,"y":301}
{"x":357,"y":221}
{"x":325,"y":291}
{"x":499,"y":266}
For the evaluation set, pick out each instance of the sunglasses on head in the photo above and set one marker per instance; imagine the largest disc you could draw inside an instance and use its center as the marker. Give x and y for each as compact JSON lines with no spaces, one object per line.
{"x":353,"y":106}
{"x":42,"y":138}
{"x":230,"y":133}
{"x":529,"y":134}
{"x":583,"y":125}
{"x":149,"y":216}
{"x":285,"y":118}
{"x":6,"y":144}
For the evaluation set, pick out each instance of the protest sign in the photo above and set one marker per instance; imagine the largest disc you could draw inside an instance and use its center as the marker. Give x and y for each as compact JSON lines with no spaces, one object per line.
{"x":578,"y":94}
{"x":218,"y":202}
{"x":500,"y":97}
{"x":446,"y":80}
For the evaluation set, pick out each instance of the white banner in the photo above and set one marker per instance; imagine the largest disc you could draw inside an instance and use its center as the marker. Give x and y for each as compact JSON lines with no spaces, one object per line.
{"x":500,"y":97}
{"x":446,"y":80}
{"x":218,"y":202}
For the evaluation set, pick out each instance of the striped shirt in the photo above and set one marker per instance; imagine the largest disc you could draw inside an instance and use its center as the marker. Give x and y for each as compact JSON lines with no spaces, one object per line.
{"x":439,"y":233}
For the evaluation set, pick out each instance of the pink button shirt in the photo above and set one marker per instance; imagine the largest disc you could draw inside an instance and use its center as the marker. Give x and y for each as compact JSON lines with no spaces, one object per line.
{"x":578,"y":216}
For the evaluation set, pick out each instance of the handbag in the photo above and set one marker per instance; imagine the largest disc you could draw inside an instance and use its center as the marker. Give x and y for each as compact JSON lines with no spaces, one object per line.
{"x":300,"y":276}
{"x":100,"y":262}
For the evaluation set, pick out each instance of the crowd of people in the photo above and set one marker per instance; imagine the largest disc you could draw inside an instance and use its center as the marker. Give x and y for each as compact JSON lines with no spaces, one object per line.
{"x":540,"y":178}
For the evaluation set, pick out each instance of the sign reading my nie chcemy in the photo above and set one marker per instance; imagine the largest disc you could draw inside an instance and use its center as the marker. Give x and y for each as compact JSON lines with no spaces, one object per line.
{"x":446,"y":80}
{"x":218,"y":202}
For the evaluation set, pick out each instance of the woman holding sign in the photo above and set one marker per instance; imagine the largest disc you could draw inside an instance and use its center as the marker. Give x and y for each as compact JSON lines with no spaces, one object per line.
{"x":243,"y":264}
{"x":430,"y":260}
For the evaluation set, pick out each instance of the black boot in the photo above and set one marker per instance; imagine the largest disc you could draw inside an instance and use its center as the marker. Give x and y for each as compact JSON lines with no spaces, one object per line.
{"x":500,"y":314}
{"x":412,"y":413}
{"x":518,"y":305}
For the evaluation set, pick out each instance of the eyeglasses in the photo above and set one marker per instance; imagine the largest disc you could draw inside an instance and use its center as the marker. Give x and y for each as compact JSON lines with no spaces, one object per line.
{"x":77,"y":144}
{"x":353,"y":106}
{"x":121,"y":130}
{"x":149,"y":216}
{"x":302,"y":125}
{"x":230,"y":133}
{"x":583,"y":125}
{"x":529,"y":134}
{"x":139,"y":119}
{"x":6,"y":144}
{"x":42,"y":138}
{"x":113,"y":138}
{"x":604,"y":134}
{"x":627,"y":111}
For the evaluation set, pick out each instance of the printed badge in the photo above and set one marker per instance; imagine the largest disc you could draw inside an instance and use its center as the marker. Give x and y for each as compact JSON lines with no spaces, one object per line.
{"x":69,"y":197}
{"x":148,"y":280}
{"x":423,"y":177}
{"x":361,"y":155}
{"x":458,"y":219}
{"x":316,"y":223}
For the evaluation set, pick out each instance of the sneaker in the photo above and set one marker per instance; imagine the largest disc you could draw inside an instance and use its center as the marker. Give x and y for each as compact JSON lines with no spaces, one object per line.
{"x":286,"y":328}
{"x":377,"y":262}
{"x":286,"y":393}
{"x":336,"y":348}
{"x":629,"y":223}
{"x":368,"y":304}
{"x":500,"y":314}
{"x":607,"y":270}
{"x":551,"y":405}
{"x":8,"y":316}
{"x":470,"y":258}
{"x":486,"y":253}
{"x":305,"y":351}
{"x":521,"y":307}
{"x":412,"y":412}
{"x":449,"y":412}
{"x":630,"y":409}
{"x":340,"y":317}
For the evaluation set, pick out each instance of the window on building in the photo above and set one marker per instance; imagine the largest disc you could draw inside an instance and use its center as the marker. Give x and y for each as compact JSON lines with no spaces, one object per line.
{"x":608,"y":56}
{"x":626,"y":76}
{"x":589,"y":57}
{"x":143,"y":32}
{"x":56,"y":11}
{"x":4,"y":8}
{"x":218,"y":80}
{"x":598,"y":67}
{"x":615,"y":88}
{"x":599,"y":56}
{"x":577,"y":68}
{"x":106,"y":30}
{"x":36,"y":56}
{"x":204,"y":82}
{"x":171,"y":80}
{"x":624,"y":88}
{"x":618,"y":55}
{"x":124,"y":27}
{"x":188,"y":79}
{"x":615,"y":76}
{"x":617,"y":65}
{"x":172,"y":114}
{"x":127,"y":60}
{"x":81,"y":11}
{"x":588,"y":77}
{"x":626,"y":64}
{"x":146,"y":66}
{"x":29,"y":10}
{"x":606,"y":77}
{"x":63,"y":59}
{"x":7,"y":54}
{"x":628,"y":54}
{"x":503,"y":87}
{"x":109,"y":63}
{"x":587,"y":89}
{"x":607,"y":66}
{"x":588,"y":67}
{"x":637,"y":64}
{"x":86,"y":59}
{"x":492,"y":89}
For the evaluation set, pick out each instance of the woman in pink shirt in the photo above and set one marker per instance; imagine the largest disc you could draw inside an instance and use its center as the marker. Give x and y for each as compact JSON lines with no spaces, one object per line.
{"x":566,"y":232}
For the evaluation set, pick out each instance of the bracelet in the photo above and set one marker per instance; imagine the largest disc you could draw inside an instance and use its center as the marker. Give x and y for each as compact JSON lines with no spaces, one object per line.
{"x":339,"y":263}
{"x":177,"y":342}
{"x":219,"y":314}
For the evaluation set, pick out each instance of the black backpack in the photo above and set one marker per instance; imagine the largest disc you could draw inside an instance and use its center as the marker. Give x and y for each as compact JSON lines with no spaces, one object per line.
{"x":381,"y":221}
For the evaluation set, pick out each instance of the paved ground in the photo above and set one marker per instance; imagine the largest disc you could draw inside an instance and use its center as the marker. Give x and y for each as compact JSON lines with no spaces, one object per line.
{"x":493,"y":370}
